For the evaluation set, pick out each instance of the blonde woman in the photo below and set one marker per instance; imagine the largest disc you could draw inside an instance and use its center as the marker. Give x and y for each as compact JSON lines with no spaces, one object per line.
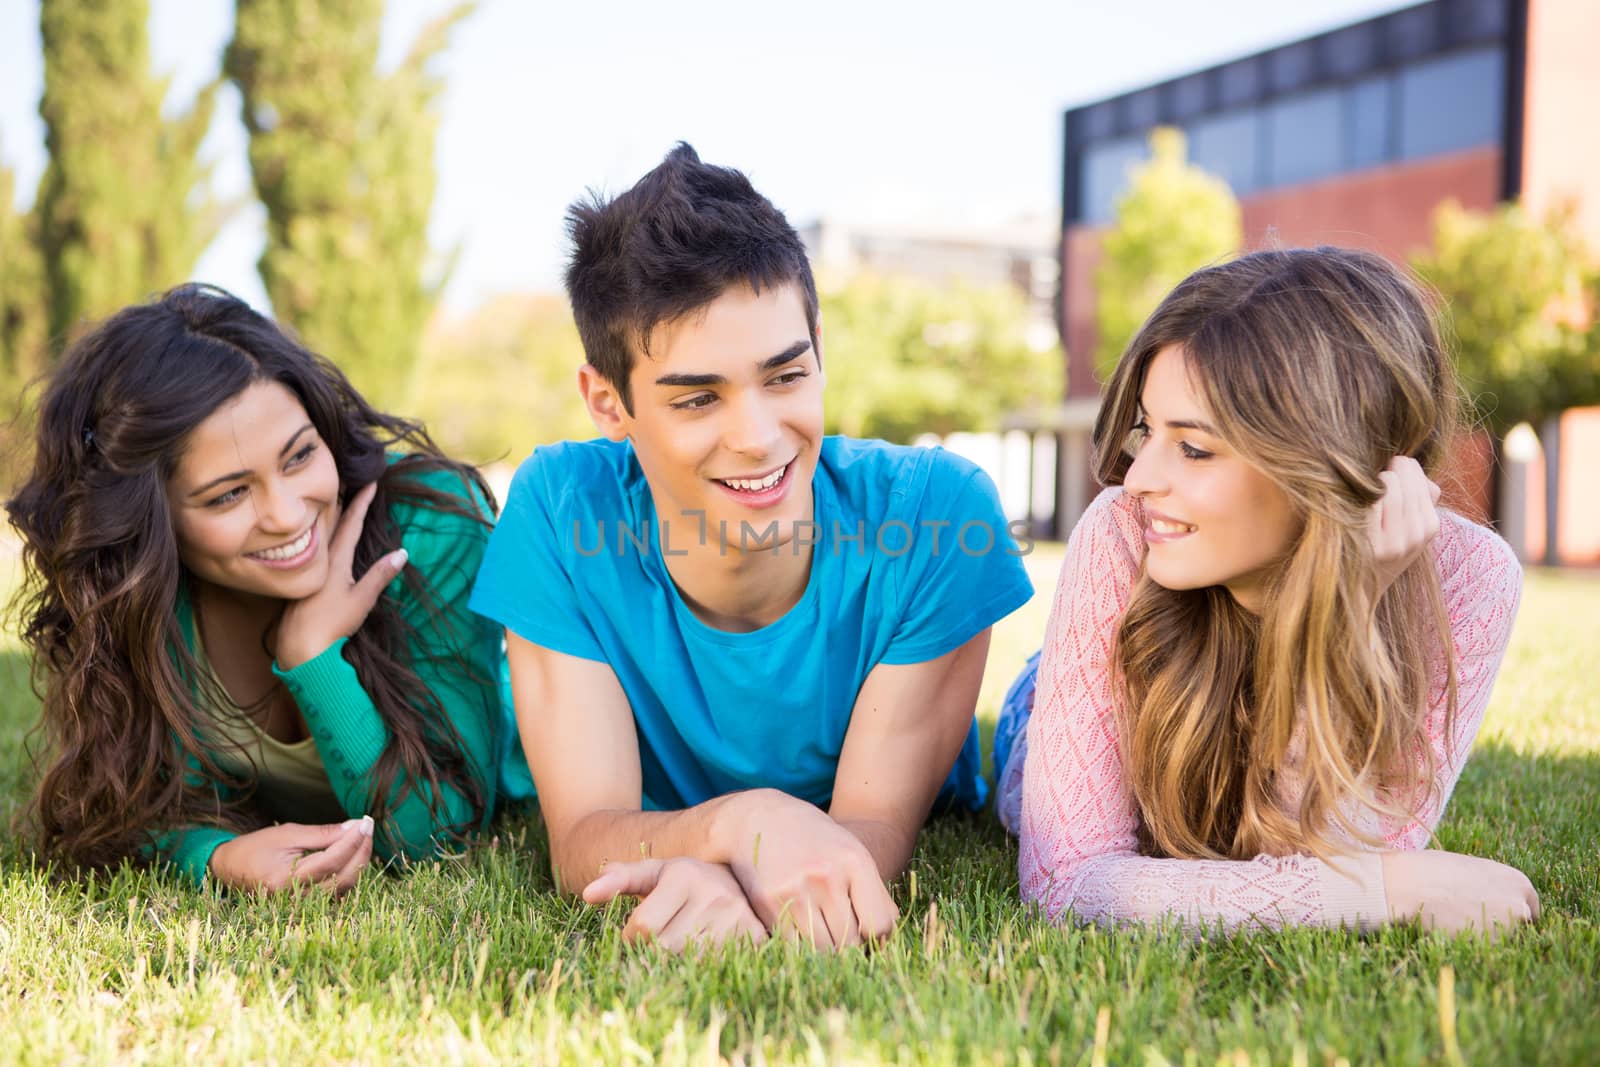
{"x":1269,"y":651}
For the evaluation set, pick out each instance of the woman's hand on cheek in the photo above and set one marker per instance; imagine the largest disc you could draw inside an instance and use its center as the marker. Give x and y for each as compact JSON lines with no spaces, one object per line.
{"x":1404,"y":521}
{"x":338,"y":609}
{"x":289,"y":855}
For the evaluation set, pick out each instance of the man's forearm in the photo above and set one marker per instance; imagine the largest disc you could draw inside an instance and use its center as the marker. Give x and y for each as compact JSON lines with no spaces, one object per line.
{"x":703,"y":832}
{"x":889,"y":844}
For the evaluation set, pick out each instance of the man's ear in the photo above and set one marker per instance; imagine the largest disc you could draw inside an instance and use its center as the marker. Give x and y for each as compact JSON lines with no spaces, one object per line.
{"x":604,"y":403}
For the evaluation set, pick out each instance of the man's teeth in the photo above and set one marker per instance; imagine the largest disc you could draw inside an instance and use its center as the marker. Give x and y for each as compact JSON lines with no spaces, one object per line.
{"x":288,"y":551}
{"x":1162,"y":526}
{"x":751,"y":486}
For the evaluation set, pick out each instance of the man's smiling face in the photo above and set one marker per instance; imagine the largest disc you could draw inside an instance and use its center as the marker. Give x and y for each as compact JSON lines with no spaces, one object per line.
{"x":727,"y":413}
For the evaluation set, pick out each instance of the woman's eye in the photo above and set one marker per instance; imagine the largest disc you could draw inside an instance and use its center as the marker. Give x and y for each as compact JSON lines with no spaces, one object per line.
{"x":226,"y":498}
{"x":302,"y":455}
{"x":1191,"y":452}
{"x":1137,"y":434}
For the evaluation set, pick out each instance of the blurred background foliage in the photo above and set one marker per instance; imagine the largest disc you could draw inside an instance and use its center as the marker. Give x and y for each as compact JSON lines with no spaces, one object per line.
{"x":1519,"y":299}
{"x":1174,"y":219}
{"x":902,"y":357}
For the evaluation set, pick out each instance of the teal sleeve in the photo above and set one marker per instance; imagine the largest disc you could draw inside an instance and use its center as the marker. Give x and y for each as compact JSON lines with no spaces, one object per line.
{"x":455,"y":656}
{"x":189,"y":848}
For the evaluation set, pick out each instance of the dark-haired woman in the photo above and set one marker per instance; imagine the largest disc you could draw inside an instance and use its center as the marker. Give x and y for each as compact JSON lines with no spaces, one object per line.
{"x":246,"y":598}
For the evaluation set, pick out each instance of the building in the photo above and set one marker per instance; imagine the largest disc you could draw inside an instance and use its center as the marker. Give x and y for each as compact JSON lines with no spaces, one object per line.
{"x":1351,"y":137}
{"x":1021,"y":255}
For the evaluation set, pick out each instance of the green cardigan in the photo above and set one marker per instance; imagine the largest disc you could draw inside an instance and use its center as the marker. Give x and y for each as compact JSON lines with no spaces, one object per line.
{"x":349,"y":732}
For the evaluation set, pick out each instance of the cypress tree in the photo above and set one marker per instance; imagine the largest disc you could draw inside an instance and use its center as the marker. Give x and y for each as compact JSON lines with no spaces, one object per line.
{"x":22,"y":297}
{"x":342,"y":158}
{"x":120,"y":211}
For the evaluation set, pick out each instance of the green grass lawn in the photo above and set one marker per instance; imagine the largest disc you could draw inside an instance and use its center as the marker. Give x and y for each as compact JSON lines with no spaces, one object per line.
{"x":475,"y":960}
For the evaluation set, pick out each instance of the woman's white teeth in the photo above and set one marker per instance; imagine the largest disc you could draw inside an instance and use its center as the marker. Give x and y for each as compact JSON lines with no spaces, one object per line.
{"x":1162,"y":526}
{"x":288,"y":551}
{"x":750,"y":485}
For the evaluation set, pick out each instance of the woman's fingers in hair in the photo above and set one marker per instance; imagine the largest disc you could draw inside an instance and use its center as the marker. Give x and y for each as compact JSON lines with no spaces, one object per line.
{"x":343,"y":546}
{"x":380,"y":574}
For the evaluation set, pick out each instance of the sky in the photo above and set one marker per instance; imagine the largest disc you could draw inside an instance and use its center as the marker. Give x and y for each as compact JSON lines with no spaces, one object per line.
{"x":934,"y":114}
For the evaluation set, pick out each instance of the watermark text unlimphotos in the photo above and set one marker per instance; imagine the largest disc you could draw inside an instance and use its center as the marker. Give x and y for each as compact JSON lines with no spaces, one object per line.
{"x":892,"y":538}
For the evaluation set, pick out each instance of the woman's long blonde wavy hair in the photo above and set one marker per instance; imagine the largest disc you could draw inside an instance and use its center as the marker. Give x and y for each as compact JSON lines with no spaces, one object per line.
{"x":1318,"y":366}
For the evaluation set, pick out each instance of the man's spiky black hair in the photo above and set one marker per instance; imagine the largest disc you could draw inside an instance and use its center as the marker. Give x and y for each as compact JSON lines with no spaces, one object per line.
{"x":681,"y":237}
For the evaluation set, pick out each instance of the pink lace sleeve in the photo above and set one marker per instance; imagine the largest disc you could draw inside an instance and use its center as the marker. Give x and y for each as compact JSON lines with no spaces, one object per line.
{"x":1078,"y":843}
{"x":1482,"y":584}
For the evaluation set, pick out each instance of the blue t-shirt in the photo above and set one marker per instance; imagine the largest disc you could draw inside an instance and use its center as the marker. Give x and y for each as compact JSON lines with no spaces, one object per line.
{"x":912,"y":559}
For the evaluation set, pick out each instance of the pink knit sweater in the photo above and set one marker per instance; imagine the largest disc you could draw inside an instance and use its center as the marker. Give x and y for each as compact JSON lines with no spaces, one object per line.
{"x":1070,"y":799}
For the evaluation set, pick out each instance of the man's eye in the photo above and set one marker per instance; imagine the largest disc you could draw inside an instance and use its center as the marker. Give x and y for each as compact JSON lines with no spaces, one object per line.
{"x":695,"y":403}
{"x":790,"y":378}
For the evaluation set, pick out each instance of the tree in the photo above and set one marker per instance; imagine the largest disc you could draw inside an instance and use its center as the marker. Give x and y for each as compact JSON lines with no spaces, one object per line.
{"x":1520,"y":297}
{"x":1174,"y":219}
{"x":503,"y":379}
{"x":904,"y":357}
{"x":122,"y":210}
{"x":342,"y":158}
{"x":22,"y":297}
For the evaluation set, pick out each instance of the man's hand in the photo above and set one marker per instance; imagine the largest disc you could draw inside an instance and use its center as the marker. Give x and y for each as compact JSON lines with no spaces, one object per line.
{"x":1404,"y":521}
{"x":684,"y":902}
{"x":806,"y":876}
{"x":291,"y":855}
{"x":339,"y":608}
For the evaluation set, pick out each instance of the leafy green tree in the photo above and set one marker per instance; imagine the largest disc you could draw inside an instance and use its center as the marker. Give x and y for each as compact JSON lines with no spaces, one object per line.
{"x":22,"y":297}
{"x":1174,"y":219}
{"x":905,"y":357}
{"x":495,"y":383}
{"x":1520,"y":299}
{"x":342,"y":158}
{"x":122,"y":208}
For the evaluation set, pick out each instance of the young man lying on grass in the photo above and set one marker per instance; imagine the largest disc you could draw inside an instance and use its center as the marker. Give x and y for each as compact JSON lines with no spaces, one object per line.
{"x":744,"y":655}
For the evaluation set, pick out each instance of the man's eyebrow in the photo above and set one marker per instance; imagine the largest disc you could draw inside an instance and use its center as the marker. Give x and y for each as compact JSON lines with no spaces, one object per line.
{"x":793,"y":352}
{"x":236,"y":475}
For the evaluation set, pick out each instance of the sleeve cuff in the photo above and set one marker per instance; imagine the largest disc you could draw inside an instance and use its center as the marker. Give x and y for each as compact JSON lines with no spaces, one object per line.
{"x":192,"y":855}
{"x":1352,"y":892}
{"x":987,"y":614}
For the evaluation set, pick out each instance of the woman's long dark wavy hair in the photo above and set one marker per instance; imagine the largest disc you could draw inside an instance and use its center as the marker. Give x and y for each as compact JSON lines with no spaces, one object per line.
{"x":123,"y":714}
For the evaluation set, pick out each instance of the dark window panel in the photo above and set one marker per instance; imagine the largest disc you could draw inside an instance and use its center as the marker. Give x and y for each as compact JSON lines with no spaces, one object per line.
{"x":1142,"y":110}
{"x":1240,"y":82}
{"x":1292,"y":67}
{"x":1192,"y":95}
{"x":1413,"y":32}
{"x":1099,"y":121}
{"x":1451,"y":103}
{"x":1476,"y":21}
{"x":1350,"y":51}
